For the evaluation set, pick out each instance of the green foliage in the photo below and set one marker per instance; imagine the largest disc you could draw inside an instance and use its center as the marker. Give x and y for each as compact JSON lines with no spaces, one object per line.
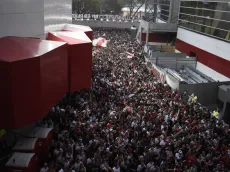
{"x":111,"y":7}
{"x":86,"y":6}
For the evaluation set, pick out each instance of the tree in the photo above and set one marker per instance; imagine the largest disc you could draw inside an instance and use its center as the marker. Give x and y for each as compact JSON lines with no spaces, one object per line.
{"x":133,"y":5}
{"x":112,"y":6}
{"x":86,"y":6}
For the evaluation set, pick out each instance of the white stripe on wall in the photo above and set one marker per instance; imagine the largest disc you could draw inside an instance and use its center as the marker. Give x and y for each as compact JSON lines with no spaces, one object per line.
{"x":211,"y":73}
{"x":206,"y":43}
{"x":156,"y":43}
{"x":177,"y":51}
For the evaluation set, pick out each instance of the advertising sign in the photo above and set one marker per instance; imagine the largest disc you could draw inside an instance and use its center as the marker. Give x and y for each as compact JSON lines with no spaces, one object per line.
{"x":100,"y":17}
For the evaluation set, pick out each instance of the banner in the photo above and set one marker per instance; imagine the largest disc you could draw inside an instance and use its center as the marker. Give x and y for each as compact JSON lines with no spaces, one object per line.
{"x":129,"y":55}
{"x":99,"y":17}
{"x":100,"y":42}
{"x":161,"y":75}
{"x":172,"y":82}
{"x":150,"y":53}
{"x":146,"y":49}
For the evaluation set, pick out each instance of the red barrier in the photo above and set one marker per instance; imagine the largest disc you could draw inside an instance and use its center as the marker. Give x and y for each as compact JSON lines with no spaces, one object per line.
{"x":80,"y":58}
{"x":34,"y":77}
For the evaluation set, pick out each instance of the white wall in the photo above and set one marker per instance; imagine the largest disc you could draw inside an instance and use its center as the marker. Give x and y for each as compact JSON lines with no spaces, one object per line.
{"x":209,"y":44}
{"x":211,"y":73}
{"x":21,"y":18}
{"x":56,"y":14}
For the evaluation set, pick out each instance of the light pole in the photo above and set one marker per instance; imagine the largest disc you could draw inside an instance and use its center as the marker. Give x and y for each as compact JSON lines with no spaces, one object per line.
{"x":145,"y":7}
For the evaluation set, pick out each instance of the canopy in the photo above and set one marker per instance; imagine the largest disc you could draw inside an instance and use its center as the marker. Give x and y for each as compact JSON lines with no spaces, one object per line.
{"x":20,"y":160}
{"x":69,"y":37}
{"x":25,"y":144}
{"x":76,"y":28}
{"x":40,"y":132}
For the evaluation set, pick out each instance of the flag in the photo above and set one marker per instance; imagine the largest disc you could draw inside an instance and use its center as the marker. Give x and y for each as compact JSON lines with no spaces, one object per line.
{"x":100,"y":42}
{"x":150,"y":52}
{"x":129,"y":55}
{"x":146,"y":49}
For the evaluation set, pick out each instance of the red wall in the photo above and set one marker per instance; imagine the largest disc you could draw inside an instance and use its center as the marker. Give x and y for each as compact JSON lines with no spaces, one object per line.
{"x":30,"y":88}
{"x":80,"y":66}
{"x":214,"y":62}
{"x":89,"y":34}
{"x":20,"y":93}
{"x":54,"y":77}
{"x":156,"y":37}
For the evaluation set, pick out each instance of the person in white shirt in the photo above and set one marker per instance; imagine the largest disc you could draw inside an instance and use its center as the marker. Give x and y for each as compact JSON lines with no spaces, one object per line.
{"x":45,"y":168}
{"x":179,"y":155}
{"x":61,"y":170}
{"x":117,"y":168}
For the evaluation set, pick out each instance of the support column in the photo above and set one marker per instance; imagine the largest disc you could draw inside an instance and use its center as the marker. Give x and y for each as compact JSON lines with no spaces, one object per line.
{"x":146,"y":8}
{"x":141,"y":35}
{"x":147,"y":34}
{"x":170,"y":12}
{"x":155,"y":13}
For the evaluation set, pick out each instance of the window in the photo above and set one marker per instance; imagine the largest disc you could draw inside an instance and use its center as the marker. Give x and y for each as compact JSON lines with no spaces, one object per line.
{"x":212,"y":18}
{"x":164,"y":7}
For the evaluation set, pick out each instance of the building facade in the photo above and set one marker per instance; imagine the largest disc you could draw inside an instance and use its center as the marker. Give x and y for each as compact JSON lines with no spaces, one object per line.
{"x":204,"y":32}
{"x":33,"y":18}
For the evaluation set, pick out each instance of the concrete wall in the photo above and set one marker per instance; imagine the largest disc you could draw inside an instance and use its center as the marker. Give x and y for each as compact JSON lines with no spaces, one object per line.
{"x":56,"y":14}
{"x":175,"y":8}
{"x":207,"y":93}
{"x":33,"y":18}
{"x":224,"y":95}
{"x":159,"y":21}
{"x":95,"y":23}
{"x":22,"y":18}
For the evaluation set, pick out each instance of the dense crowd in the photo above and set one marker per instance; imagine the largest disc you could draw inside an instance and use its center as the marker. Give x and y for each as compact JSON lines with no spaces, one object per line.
{"x":129,"y":121}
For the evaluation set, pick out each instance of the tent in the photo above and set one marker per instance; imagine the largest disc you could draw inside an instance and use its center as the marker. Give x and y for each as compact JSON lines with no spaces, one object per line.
{"x":34,"y":77}
{"x":25,"y":162}
{"x":27,"y":145}
{"x":79,"y":56}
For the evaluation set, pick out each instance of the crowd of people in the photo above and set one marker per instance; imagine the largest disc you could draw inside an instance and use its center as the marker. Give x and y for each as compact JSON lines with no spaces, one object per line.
{"x":129,"y":121}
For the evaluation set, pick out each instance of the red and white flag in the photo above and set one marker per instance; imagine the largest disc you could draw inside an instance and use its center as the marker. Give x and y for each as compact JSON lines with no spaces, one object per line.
{"x":129,"y":55}
{"x":100,"y":42}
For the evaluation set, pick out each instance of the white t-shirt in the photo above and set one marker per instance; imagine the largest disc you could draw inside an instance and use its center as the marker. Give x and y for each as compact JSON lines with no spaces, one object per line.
{"x":115,"y":169}
{"x":44,"y":169}
{"x":178,"y":156}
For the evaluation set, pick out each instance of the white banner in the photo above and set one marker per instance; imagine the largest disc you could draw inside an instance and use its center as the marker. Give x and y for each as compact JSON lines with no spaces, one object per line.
{"x":98,"y":16}
{"x":161,"y":75}
{"x":129,"y":55}
{"x":172,"y":82}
